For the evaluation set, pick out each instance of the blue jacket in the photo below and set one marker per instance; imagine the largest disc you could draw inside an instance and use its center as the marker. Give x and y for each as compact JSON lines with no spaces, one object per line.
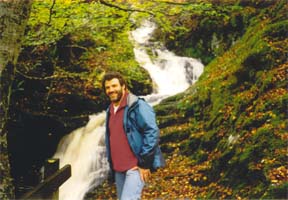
{"x":142,"y":133}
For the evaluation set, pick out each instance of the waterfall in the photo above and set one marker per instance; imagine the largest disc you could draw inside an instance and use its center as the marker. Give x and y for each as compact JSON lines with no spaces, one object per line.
{"x":171,"y":74}
{"x":84,"y":148}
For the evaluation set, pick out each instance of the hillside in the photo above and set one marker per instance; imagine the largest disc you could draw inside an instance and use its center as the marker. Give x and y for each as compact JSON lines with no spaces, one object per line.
{"x":225,"y":137}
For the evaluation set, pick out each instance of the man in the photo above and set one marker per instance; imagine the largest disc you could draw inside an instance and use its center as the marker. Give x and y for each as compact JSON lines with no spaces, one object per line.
{"x":132,"y":138}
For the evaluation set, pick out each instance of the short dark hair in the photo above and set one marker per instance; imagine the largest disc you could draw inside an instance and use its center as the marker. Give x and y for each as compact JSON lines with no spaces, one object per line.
{"x":110,"y":75}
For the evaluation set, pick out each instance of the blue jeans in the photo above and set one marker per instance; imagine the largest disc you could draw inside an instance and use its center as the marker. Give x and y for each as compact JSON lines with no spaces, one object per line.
{"x":129,"y":185}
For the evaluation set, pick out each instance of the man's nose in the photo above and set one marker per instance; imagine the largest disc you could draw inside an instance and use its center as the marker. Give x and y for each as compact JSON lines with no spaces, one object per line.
{"x":110,"y":90}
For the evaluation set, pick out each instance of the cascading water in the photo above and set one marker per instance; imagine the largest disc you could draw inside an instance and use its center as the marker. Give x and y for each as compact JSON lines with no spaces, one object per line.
{"x":171,"y":74}
{"x":84,"y":148}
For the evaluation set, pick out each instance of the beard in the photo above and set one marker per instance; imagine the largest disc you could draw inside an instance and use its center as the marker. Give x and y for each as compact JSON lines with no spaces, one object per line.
{"x":115,"y":96}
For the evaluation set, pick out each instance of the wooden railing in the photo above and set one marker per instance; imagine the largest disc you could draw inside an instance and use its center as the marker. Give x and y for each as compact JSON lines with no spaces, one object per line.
{"x":53,"y":179}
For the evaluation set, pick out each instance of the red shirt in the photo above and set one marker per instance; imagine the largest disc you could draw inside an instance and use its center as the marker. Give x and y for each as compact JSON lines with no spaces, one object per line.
{"x":122,"y":156}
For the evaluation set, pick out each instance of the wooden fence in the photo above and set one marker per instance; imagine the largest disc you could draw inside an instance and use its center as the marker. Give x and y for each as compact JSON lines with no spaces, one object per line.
{"x":53,"y":179}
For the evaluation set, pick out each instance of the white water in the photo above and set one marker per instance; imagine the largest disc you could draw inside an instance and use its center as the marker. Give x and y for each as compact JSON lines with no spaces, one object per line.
{"x":172,"y":74}
{"x":84,"y":148}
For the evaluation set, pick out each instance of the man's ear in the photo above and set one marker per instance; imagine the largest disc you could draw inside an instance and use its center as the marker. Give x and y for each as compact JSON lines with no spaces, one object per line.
{"x":125,"y":88}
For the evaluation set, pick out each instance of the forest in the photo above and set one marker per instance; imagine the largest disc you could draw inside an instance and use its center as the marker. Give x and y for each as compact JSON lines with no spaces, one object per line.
{"x":224,"y":136}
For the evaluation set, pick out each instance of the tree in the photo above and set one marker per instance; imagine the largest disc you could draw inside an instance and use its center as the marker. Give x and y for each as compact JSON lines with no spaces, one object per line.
{"x":13,"y":17}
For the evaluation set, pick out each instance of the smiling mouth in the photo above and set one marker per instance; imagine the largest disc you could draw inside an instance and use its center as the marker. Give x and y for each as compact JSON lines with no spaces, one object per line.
{"x":111,"y":94}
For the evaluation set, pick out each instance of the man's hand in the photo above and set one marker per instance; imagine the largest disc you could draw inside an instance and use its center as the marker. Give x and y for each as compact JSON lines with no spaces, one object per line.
{"x":144,"y":173}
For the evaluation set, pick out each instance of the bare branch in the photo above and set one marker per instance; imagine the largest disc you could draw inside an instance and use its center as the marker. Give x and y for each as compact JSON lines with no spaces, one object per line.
{"x":77,"y":46}
{"x":34,"y":77}
{"x":124,"y":9}
{"x":54,"y":76}
{"x":175,"y":3}
{"x":51,"y":12}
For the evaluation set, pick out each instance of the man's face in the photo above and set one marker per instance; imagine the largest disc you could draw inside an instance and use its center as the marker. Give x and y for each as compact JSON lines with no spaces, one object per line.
{"x":114,"y":90}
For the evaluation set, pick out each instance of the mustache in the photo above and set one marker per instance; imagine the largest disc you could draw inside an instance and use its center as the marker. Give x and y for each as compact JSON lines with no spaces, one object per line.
{"x":112,"y":93}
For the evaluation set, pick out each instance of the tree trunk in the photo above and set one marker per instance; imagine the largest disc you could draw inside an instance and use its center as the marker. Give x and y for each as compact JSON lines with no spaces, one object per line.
{"x":13,"y":17}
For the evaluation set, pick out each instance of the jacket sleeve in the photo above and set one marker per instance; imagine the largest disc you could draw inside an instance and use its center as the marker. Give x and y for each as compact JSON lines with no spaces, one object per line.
{"x":146,"y":121}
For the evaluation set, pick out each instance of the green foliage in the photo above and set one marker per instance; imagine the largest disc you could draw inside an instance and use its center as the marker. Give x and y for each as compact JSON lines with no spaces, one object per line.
{"x":190,"y":147}
{"x":207,"y":36}
{"x":276,"y":192}
{"x":79,"y":32}
{"x":49,"y":22}
{"x":68,"y":46}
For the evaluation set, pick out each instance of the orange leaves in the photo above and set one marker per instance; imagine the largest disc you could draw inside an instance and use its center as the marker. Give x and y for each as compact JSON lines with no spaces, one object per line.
{"x":173,"y":181}
{"x":214,"y":155}
{"x":282,"y":151}
{"x":280,"y":74}
{"x":227,"y":111}
{"x":278,"y":175}
{"x":106,"y":191}
{"x":274,"y":94}
{"x":197,"y":134}
{"x":180,"y":179}
{"x":222,"y":191}
{"x":247,"y":95}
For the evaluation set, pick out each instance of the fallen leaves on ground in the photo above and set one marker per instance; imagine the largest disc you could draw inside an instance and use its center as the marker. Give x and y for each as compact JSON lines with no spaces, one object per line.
{"x":180,"y":179}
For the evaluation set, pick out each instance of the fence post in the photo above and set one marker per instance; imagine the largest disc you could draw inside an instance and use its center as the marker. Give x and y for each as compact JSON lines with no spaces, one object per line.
{"x":46,"y":189}
{"x":50,"y":167}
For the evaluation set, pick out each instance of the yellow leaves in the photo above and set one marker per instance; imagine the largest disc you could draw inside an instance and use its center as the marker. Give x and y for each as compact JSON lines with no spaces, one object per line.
{"x":278,"y":175}
{"x":282,"y":151}
{"x":273,"y":94}
{"x":67,"y":2}
{"x":254,"y":130}
{"x":174,"y":181}
{"x":283,"y":125}
{"x":224,"y":192}
{"x":171,"y":37}
{"x":256,"y":166}
{"x":196,"y":179}
{"x":197,"y":134}
{"x":228,"y":112}
{"x":249,"y":108}
{"x":239,"y":197}
{"x":268,"y":126}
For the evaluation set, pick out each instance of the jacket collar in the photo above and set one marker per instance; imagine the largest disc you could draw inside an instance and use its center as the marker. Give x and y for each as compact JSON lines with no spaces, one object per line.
{"x":131,"y":99}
